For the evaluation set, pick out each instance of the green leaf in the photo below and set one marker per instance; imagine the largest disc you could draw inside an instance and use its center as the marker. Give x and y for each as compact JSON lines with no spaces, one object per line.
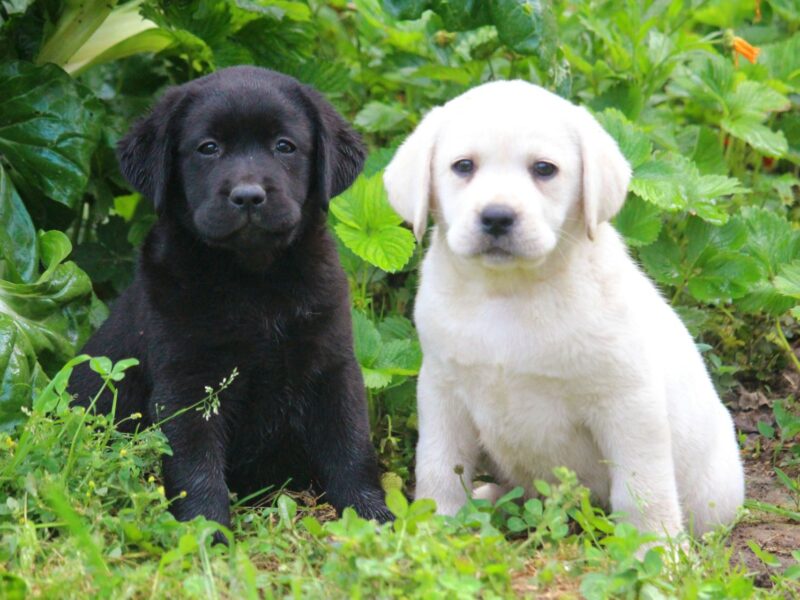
{"x":122,"y":33}
{"x":759,"y":136}
{"x":633,"y":142}
{"x":397,"y":503}
{"x":379,"y":116}
{"x":660,"y":183}
{"x":638,"y":221}
{"x":525,"y":26}
{"x":41,"y":324}
{"x":723,"y":275}
{"x":369,"y":227}
{"x":17,"y":235}
{"x":768,"y":559}
{"x":788,"y":280}
{"x":49,"y":128}
{"x":366,"y":339}
{"x":406,"y":9}
{"x":663,"y":260}
{"x":783,"y":59}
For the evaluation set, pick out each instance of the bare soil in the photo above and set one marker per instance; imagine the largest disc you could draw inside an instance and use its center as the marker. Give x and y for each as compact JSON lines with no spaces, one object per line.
{"x":776,"y":534}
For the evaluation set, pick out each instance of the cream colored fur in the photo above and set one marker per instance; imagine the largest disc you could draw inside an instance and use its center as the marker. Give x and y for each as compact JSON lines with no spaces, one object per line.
{"x":559,"y":351}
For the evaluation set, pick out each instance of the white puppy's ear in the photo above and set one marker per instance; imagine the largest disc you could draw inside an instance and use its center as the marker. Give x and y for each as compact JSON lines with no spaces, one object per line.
{"x":606,"y":173}
{"x":408,"y":176}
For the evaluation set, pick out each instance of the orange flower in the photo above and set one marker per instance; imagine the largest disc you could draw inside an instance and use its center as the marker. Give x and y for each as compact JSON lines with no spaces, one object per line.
{"x":746,"y":49}
{"x":739,"y":46}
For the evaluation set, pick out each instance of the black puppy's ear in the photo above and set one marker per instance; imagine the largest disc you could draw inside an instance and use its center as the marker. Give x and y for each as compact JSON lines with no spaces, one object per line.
{"x":145,"y":153}
{"x":340,"y":153}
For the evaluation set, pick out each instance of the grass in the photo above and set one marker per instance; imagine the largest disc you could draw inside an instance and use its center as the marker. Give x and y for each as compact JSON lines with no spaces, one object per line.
{"x":85,"y":515}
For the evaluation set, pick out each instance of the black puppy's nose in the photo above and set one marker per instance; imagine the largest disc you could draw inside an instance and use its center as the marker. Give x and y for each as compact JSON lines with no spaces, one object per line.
{"x":247,"y":194}
{"x":496,"y":219}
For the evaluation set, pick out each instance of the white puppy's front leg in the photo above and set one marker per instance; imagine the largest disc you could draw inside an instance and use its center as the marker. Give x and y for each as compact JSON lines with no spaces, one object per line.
{"x":633,"y":434}
{"x":447,"y":439}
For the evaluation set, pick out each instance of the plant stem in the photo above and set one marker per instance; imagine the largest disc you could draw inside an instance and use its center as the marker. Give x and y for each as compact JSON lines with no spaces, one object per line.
{"x":784,"y":343}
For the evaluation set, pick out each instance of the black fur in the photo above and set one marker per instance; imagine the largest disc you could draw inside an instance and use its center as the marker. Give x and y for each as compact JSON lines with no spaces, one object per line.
{"x":261,"y":290}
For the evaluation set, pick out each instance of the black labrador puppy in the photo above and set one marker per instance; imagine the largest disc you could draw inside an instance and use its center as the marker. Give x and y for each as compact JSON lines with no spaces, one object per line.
{"x":240,"y":272}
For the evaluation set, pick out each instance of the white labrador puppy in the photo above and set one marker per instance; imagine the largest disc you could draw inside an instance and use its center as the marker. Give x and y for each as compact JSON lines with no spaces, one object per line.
{"x":544,"y":344}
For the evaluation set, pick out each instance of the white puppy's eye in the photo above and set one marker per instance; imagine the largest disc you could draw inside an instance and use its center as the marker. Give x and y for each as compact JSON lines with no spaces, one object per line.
{"x":208,"y":148}
{"x":544,"y":169}
{"x":463,"y":167}
{"x":285,"y":146}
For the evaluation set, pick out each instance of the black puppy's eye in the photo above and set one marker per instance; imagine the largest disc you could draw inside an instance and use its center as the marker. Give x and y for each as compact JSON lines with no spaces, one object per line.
{"x":285,"y":146}
{"x":544,"y":169}
{"x":463,"y":167}
{"x":208,"y":148}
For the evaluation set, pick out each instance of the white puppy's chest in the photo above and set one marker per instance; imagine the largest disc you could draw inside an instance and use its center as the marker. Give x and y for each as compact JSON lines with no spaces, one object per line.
{"x":525,"y":383}
{"x":528,"y":425}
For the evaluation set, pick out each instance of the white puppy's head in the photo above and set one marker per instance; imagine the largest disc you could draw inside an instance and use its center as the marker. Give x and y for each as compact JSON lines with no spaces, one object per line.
{"x":510,"y":171}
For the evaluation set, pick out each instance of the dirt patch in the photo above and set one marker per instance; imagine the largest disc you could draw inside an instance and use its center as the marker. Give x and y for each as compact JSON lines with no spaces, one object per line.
{"x":776,"y":534}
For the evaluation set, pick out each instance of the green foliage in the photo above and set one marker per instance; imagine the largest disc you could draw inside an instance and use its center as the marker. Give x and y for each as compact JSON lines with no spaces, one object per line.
{"x":369,"y":227}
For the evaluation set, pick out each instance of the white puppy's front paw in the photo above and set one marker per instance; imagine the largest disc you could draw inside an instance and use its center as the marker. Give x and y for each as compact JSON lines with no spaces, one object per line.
{"x":489,"y":491}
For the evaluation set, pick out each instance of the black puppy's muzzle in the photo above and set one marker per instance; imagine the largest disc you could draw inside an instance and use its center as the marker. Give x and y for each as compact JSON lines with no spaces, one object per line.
{"x":247,"y":196}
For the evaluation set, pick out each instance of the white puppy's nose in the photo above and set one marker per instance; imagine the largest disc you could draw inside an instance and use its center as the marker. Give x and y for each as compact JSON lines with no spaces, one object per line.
{"x":497,"y":220}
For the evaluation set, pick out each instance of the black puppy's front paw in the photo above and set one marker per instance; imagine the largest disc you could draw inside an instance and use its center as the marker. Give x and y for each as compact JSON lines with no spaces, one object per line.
{"x":371,"y":505}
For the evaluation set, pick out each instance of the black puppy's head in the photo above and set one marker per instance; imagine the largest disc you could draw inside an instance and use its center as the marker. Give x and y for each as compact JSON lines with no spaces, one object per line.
{"x":244,"y":158}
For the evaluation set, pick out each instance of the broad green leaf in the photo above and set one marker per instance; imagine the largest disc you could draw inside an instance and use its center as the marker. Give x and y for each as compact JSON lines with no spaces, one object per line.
{"x":75,"y":25}
{"x":633,"y":142}
{"x":638,"y":221}
{"x":379,"y":116}
{"x":397,"y":327}
{"x":525,"y":26}
{"x":384,"y":351}
{"x":41,"y":324}
{"x":756,"y":99}
{"x":772,"y":243}
{"x":788,"y":280}
{"x":406,"y":9}
{"x":18,"y":250}
{"x":123,"y":33}
{"x":673,"y":182}
{"x":759,"y":136}
{"x":399,"y":357}
{"x":660,"y":183}
{"x":366,"y":339}
{"x":662,"y":260}
{"x":49,"y":128}
{"x":708,"y":153}
{"x":369,"y":227}
{"x":723,"y":276}
{"x":771,"y":240}
{"x":22,"y":376}
{"x":788,"y":9}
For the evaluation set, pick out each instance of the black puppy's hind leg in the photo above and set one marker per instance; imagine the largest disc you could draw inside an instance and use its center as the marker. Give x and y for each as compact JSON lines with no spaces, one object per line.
{"x":194,"y":476}
{"x":337,"y":440}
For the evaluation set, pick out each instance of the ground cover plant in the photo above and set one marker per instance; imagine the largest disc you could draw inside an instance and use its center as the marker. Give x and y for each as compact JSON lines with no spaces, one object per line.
{"x":702,"y":96}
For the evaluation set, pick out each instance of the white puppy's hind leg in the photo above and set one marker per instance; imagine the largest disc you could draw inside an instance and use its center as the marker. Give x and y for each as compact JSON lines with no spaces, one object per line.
{"x":718,"y":491}
{"x":634,"y":437}
{"x":448,"y":442}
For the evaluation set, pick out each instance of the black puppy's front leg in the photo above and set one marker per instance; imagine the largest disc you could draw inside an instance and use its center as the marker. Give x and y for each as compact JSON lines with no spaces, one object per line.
{"x":194,"y":476}
{"x":343,"y":458}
